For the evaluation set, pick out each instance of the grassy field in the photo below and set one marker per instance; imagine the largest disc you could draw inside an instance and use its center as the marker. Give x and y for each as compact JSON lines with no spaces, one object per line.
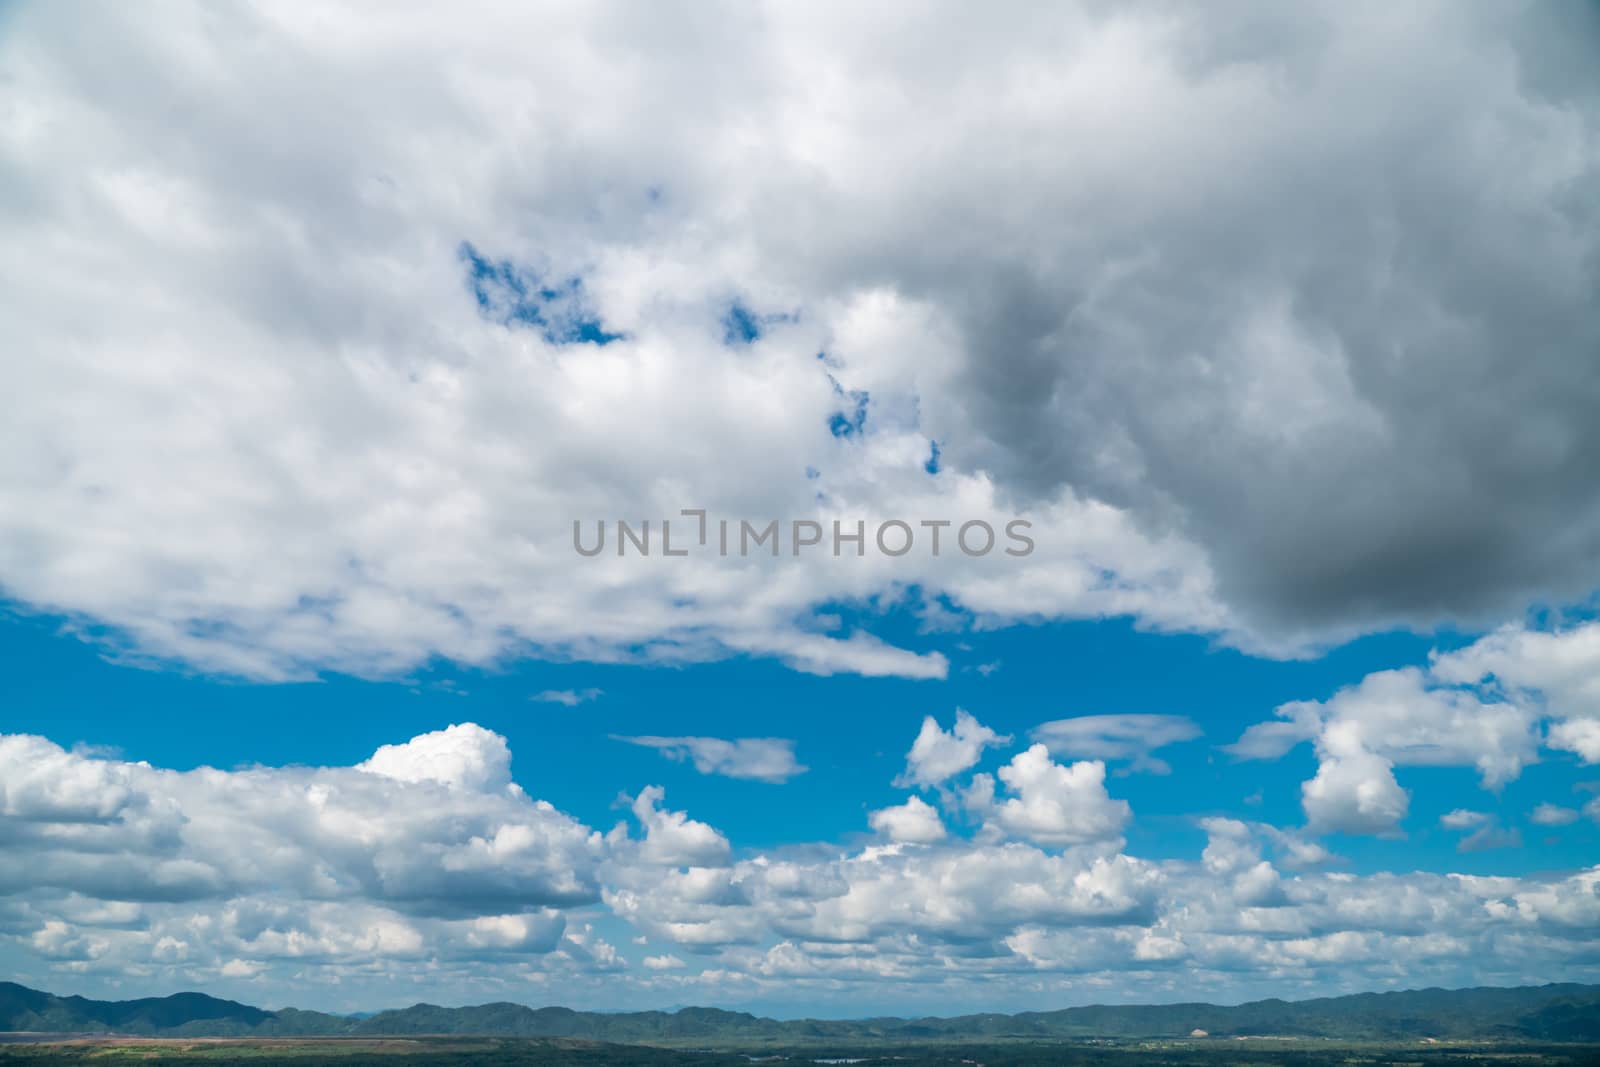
{"x":17,"y":1051}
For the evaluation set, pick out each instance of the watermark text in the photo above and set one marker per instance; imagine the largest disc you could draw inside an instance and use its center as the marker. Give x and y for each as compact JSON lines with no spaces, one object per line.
{"x":696,"y":533}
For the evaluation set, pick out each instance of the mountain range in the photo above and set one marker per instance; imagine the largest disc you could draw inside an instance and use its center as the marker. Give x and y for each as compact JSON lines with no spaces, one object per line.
{"x":1545,"y":1013}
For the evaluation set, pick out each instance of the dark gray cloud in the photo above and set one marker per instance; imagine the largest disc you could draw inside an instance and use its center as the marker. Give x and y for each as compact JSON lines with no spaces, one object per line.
{"x":1315,"y":288}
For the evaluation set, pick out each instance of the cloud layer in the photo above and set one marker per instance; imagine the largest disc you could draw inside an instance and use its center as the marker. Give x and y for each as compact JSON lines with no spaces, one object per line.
{"x":1257,"y":352}
{"x":428,"y":863}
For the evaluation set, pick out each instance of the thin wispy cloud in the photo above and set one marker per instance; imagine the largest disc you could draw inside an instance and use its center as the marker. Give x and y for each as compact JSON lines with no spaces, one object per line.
{"x":570,"y":697}
{"x":763,"y":759}
{"x":1131,"y":738}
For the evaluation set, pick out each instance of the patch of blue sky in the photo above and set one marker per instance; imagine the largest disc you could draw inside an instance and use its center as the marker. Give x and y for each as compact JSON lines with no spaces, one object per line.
{"x":516,"y":295}
{"x":741,"y":325}
{"x":850,"y":420}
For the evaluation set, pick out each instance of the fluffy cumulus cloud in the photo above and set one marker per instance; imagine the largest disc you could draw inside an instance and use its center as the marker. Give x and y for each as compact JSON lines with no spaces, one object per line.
{"x":427,"y":863}
{"x":916,"y":821}
{"x":433,"y":827}
{"x":937,"y":755}
{"x":1492,"y":705}
{"x":1168,"y":284}
{"x":465,"y":756}
{"x":426,"y":850}
{"x":1354,"y":790}
{"x":1051,"y":803}
{"x":1557,"y":672}
{"x":673,"y":839}
{"x":1457,"y":712}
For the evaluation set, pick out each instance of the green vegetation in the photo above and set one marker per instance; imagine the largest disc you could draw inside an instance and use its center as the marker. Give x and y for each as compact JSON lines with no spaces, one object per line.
{"x":345,"y":1052}
{"x":539,"y":1052}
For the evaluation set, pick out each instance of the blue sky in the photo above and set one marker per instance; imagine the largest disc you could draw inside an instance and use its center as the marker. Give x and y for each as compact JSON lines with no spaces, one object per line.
{"x":851,"y":732}
{"x":327,"y":329}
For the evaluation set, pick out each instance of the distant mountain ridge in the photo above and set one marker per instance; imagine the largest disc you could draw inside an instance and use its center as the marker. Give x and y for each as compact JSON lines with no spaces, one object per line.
{"x":1546,"y":1013}
{"x":22,"y":1008}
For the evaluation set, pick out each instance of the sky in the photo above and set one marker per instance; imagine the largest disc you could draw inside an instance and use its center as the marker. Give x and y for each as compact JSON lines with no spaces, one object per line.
{"x":1259,"y":339}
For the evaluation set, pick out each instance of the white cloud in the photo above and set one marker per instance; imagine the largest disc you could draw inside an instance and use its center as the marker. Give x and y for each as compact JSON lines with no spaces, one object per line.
{"x":1272,"y":739}
{"x":674,"y":839}
{"x":399,"y":468}
{"x":1117,"y":737}
{"x":765,"y":759}
{"x":570,"y":697}
{"x":914,"y":822}
{"x":1487,"y":833}
{"x":425,"y":851}
{"x":1462,"y":819}
{"x":936,"y":755}
{"x":331,"y":453}
{"x":1401,"y":717}
{"x":1404,"y":717}
{"x":1354,"y":790}
{"x":1229,"y":845}
{"x":663,"y":963}
{"x":431,"y":827}
{"x":465,"y":756}
{"x":1295,"y":850}
{"x":1490,"y":836}
{"x":400,"y":460}
{"x":1233,"y":855}
{"x":1553,"y":815}
{"x":44,"y":783}
{"x":1055,"y":804}
{"x":1581,"y":736}
{"x":343,"y":881}
{"x":1482,"y":706}
{"x":1556,"y":670}
{"x":401,"y":463}
{"x":1563,"y":666}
